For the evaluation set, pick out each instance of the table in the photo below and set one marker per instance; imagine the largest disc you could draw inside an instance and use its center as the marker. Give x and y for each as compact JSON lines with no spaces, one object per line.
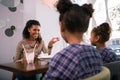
{"x":39,"y":66}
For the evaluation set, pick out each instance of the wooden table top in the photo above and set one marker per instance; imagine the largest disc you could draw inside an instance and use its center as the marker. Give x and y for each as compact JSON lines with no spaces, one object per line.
{"x":39,"y":66}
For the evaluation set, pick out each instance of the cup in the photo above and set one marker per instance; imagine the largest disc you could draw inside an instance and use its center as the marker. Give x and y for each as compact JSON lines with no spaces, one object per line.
{"x":30,"y":57}
{"x":30,"y":66}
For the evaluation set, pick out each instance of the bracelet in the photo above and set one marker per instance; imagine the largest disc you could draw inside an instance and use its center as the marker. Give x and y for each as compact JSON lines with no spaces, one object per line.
{"x":49,"y":47}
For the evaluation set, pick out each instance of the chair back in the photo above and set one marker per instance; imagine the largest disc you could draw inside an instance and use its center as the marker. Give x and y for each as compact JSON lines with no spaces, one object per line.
{"x":114,"y":68}
{"x":103,"y":75}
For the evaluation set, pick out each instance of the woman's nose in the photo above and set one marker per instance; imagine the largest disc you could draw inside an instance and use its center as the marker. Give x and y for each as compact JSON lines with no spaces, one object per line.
{"x":37,"y":32}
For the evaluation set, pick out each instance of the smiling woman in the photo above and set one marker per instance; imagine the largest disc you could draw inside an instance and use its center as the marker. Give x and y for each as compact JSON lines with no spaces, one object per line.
{"x":33,"y":43}
{"x":31,"y":38}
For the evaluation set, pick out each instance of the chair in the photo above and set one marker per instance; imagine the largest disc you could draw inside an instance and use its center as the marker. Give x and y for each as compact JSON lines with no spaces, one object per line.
{"x":103,"y":75}
{"x":114,"y":68}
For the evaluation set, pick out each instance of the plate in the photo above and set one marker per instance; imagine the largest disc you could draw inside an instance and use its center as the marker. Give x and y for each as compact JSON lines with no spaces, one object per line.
{"x":45,"y":56}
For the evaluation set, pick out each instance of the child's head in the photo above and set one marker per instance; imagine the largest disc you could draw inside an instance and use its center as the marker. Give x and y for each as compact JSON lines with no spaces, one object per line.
{"x":73,"y":18}
{"x":100,"y":34}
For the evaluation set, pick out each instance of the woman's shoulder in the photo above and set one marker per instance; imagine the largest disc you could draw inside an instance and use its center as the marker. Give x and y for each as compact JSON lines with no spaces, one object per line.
{"x":42,"y":42}
{"x":22,"y":41}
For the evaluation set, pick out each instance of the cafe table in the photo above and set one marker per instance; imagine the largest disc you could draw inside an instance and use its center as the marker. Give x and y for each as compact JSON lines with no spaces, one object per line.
{"x":39,"y":66}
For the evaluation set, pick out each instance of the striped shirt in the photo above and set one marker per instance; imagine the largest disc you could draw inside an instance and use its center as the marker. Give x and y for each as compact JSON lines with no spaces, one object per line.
{"x":74,"y":62}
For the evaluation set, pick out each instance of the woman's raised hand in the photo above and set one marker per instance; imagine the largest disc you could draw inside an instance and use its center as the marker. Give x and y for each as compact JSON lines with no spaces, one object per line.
{"x":52,"y":41}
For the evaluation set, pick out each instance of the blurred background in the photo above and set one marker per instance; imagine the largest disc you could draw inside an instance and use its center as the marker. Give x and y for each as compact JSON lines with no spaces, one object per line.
{"x":15,"y":13}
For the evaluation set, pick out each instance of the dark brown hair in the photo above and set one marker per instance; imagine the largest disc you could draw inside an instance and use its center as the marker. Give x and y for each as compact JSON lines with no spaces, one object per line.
{"x":104,"y":31}
{"x":75,"y":17}
{"x":28,"y":25}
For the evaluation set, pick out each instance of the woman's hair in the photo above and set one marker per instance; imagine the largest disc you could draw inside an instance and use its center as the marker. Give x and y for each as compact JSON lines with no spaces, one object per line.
{"x":29,"y":24}
{"x":103,"y":30}
{"x":75,"y":18}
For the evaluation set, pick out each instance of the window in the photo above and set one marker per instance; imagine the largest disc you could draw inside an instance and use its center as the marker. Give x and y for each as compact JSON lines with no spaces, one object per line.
{"x":107,"y":11}
{"x":114,"y":15}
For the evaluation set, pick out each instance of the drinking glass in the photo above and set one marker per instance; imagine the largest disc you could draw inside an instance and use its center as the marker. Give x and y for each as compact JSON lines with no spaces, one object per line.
{"x":30,"y":57}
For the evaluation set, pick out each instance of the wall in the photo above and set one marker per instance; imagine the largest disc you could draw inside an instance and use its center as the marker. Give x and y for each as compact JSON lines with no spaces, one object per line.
{"x":49,"y":19}
{"x":8,"y":44}
{"x":30,"y":9}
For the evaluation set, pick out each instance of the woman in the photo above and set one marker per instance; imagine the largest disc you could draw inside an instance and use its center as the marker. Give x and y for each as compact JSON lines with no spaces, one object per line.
{"x":32,"y":38}
{"x":77,"y":61}
{"x":99,"y":36}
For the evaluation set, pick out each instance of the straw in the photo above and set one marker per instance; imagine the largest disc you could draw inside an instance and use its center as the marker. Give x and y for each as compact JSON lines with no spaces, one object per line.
{"x":24,"y":48}
{"x":34,"y":48}
{"x":19,"y":60}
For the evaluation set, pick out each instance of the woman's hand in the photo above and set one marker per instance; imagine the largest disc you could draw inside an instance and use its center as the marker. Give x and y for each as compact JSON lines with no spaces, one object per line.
{"x":52,"y":41}
{"x":21,"y":60}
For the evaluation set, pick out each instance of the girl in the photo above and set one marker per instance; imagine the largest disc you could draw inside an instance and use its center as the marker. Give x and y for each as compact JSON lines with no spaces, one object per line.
{"x":77,"y":61}
{"x":99,"y":36}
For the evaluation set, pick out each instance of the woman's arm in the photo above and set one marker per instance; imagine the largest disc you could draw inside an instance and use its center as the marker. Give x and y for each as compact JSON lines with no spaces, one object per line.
{"x":50,"y":45}
{"x":19,"y":51}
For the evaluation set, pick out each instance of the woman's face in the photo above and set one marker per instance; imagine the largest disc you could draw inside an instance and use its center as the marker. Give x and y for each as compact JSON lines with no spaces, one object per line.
{"x":34,"y":31}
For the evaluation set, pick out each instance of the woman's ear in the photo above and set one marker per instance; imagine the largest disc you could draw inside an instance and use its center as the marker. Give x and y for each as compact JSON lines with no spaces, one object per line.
{"x":28,"y":30}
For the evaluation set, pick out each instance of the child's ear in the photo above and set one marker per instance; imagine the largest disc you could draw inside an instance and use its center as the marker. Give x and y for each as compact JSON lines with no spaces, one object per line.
{"x":97,"y":38}
{"x":62,"y":28}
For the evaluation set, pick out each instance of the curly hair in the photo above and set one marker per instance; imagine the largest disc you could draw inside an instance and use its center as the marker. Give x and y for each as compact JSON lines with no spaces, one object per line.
{"x":75,"y":17}
{"x":103,"y":30}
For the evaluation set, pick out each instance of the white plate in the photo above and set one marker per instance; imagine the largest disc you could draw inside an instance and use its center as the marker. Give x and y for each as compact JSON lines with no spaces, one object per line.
{"x":45,"y":56}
